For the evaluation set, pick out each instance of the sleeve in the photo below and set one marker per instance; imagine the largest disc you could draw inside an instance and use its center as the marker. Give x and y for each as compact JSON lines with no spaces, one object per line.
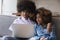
{"x":52,"y":34}
{"x":36,"y":37}
{"x":38,"y":32}
{"x":35,"y":30}
{"x":14,"y":22}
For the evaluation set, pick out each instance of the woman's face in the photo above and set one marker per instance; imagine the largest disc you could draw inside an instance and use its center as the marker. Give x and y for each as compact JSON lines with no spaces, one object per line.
{"x":39,"y":19}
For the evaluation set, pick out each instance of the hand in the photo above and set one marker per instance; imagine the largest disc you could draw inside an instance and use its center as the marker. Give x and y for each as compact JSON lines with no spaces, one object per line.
{"x":42,"y":38}
{"x":49,"y":27}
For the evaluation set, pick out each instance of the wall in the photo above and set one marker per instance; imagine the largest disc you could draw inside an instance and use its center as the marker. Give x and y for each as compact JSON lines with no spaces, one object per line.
{"x":9,"y":6}
{"x":53,"y":5}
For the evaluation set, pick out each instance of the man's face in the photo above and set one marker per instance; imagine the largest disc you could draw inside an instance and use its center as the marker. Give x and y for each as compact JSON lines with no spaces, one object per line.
{"x":25,"y":14}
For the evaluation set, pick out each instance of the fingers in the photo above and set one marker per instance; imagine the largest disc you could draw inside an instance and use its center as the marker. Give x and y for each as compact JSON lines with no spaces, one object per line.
{"x":42,"y":38}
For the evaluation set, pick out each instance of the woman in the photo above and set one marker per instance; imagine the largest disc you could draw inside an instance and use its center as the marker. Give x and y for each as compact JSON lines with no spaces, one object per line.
{"x":43,"y":29}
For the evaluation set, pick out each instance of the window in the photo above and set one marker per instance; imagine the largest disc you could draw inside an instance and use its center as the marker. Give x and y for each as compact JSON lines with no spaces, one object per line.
{"x":0,"y":5}
{"x":7,"y":7}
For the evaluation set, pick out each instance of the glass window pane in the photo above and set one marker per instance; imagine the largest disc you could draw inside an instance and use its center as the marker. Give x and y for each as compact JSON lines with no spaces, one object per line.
{"x":0,"y":6}
{"x":9,"y":7}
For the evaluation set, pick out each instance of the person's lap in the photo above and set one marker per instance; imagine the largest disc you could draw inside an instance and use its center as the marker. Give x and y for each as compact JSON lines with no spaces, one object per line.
{"x":34,"y":38}
{"x":9,"y":38}
{"x":14,"y":38}
{"x":18,"y":38}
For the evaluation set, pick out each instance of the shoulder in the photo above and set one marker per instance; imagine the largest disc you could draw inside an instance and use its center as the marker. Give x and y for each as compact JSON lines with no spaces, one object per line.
{"x":35,"y":25}
{"x":17,"y":20}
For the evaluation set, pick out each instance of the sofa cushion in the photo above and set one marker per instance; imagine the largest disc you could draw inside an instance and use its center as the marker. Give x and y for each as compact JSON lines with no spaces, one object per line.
{"x":5,"y":22}
{"x":56,"y":21}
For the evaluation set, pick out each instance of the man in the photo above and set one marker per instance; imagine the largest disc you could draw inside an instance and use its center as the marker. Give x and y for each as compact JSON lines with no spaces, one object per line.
{"x":25,"y":8}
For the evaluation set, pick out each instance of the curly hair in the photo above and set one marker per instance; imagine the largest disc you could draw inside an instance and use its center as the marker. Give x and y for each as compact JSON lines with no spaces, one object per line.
{"x":46,"y":14}
{"x":26,"y":5}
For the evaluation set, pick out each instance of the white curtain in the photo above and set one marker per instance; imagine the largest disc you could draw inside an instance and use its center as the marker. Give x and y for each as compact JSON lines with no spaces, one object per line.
{"x":0,"y":5}
{"x":9,"y":7}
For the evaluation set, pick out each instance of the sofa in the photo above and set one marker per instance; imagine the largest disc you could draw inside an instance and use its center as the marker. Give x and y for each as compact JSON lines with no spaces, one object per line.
{"x":6,"y":21}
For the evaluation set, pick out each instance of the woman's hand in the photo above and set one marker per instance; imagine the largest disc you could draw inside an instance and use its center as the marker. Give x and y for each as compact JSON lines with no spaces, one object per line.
{"x":42,"y":38}
{"x":49,"y":27}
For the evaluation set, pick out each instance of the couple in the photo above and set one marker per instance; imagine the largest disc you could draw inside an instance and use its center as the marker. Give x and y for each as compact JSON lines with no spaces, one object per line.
{"x":41,"y":18}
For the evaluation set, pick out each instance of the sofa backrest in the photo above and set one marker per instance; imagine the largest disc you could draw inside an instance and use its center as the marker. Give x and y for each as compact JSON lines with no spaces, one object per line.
{"x":56,"y":21}
{"x":5,"y":22}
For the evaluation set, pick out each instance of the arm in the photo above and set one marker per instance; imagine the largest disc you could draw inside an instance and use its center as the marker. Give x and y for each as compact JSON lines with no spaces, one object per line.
{"x":35,"y":30}
{"x":52,"y":34}
{"x":49,"y":25}
{"x":41,"y":36}
{"x":51,"y":37}
{"x":14,"y":22}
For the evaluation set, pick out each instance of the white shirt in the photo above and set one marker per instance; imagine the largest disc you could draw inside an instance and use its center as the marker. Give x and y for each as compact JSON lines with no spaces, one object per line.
{"x":21,"y":20}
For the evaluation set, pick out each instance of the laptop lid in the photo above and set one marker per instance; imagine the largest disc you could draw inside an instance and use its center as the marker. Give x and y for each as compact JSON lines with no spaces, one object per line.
{"x":23,"y":30}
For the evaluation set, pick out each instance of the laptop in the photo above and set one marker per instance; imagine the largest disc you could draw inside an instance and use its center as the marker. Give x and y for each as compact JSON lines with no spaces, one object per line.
{"x":23,"y":30}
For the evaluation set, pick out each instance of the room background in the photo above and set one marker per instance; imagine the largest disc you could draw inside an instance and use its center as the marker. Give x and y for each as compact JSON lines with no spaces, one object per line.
{"x":7,"y":7}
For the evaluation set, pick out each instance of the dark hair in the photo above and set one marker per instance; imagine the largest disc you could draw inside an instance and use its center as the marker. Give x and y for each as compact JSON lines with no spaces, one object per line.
{"x":46,"y":14}
{"x":26,"y":5}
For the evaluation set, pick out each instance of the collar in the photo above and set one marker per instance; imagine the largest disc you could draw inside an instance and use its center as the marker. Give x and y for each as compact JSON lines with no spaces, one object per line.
{"x":21,"y":17}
